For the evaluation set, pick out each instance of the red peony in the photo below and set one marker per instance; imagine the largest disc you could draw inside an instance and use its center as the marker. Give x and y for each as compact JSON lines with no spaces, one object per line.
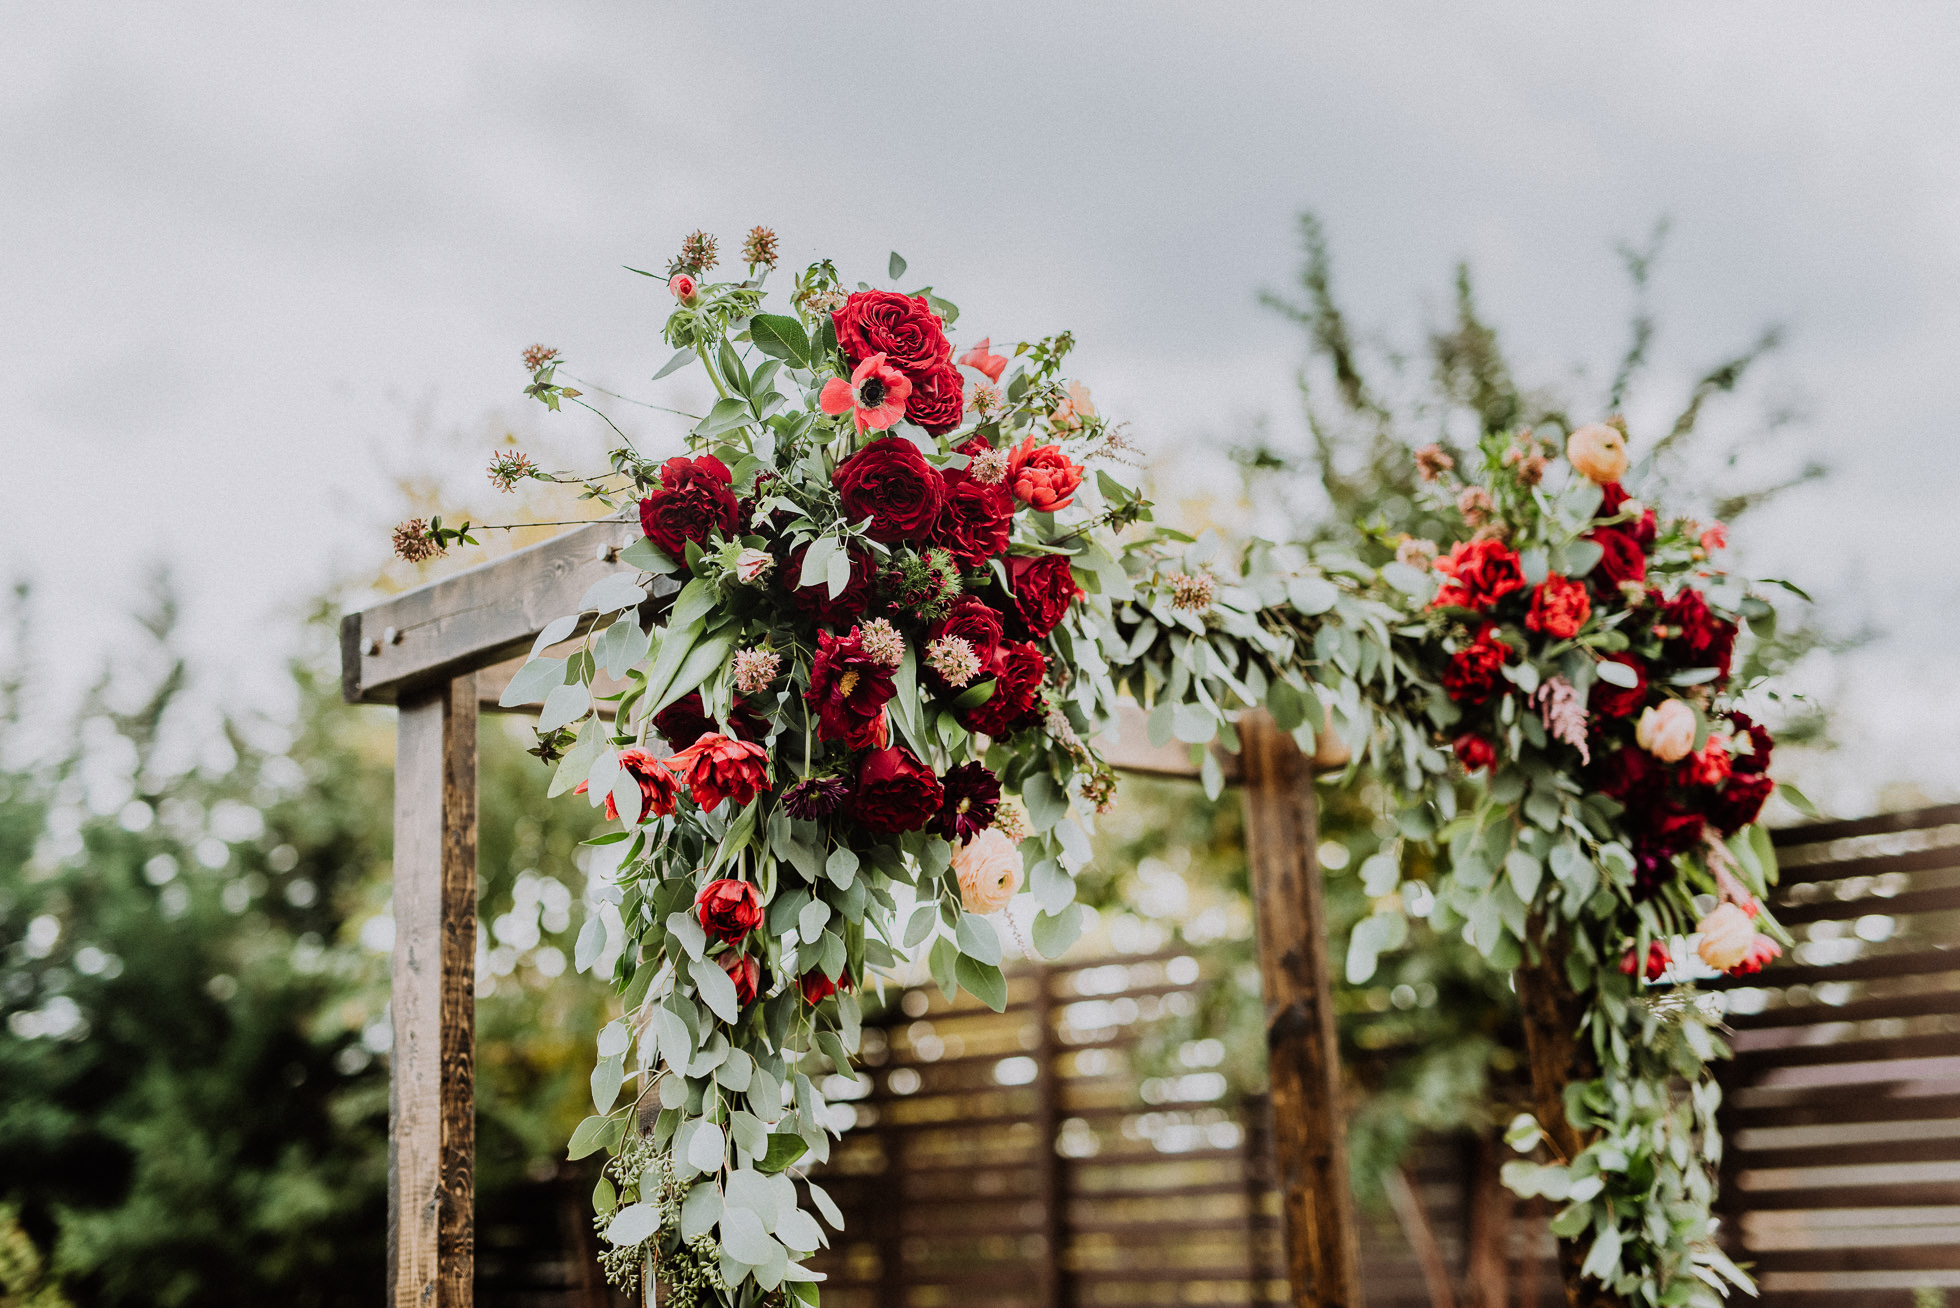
{"x":745,"y":972}
{"x":903,"y":328}
{"x":1611,"y":701}
{"x":890,"y":482}
{"x":1475,"y":752}
{"x":685,"y":721}
{"x":717,"y":768}
{"x":1043,"y":589}
{"x":815,"y":603}
{"x":1696,"y":637}
{"x":1017,"y":670}
{"x":1738,"y":803}
{"x":658,"y":792}
{"x":1622,"y":561}
{"x":816,"y":987}
{"x":1559,"y":607}
{"x":974,"y":524}
{"x":1481,"y":572}
{"x":1042,"y":477}
{"x":728,"y":910}
{"x":895,"y":792}
{"x":848,"y":690}
{"x":937,"y":402}
{"x":695,"y":499}
{"x":1473,"y":671}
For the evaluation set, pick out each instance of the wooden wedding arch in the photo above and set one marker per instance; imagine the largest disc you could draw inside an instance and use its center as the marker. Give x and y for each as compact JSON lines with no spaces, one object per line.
{"x":442,"y":653}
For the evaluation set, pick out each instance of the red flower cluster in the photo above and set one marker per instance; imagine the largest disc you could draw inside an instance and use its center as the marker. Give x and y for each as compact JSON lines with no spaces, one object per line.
{"x":1559,"y":607}
{"x":890,"y":482}
{"x":1016,"y":670}
{"x":848,"y":690}
{"x":1043,"y":589}
{"x":695,"y":498}
{"x":728,"y":910}
{"x":685,"y":721}
{"x":1473,"y":673}
{"x":974,"y":524}
{"x":1042,"y":477}
{"x":912,"y":338}
{"x":1480,"y":572}
{"x":658,"y":790}
{"x":717,"y":768}
{"x":895,"y":791}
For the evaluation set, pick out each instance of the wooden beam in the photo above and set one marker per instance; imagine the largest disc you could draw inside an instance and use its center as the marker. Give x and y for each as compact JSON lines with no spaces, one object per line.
{"x":475,"y":618}
{"x":1323,"y":1256}
{"x":431,"y":1103}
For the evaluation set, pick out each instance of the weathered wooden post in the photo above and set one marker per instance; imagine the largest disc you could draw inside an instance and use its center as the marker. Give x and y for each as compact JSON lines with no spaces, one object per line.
{"x":1323,"y":1258}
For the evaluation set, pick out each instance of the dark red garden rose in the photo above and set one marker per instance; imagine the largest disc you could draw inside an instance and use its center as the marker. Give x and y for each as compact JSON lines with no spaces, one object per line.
{"x":1622,"y":561}
{"x":1737,"y":803}
{"x":973,"y":620}
{"x":1665,"y":826}
{"x":895,"y":792}
{"x":695,"y":499}
{"x":1629,"y":775}
{"x":816,"y":987}
{"x":717,"y":768}
{"x":1475,"y":752}
{"x":685,"y":721}
{"x":1017,"y":670}
{"x":1043,"y":589}
{"x":745,"y":972}
{"x":903,"y":328}
{"x":1480,"y":573}
{"x":1559,"y":607}
{"x":817,"y":798}
{"x":658,"y":791}
{"x":1755,"y":759}
{"x":1610,"y":701}
{"x":890,"y":482}
{"x":815,"y":603}
{"x":1696,"y":637}
{"x":848,"y":691}
{"x":974,"y":523}
{"x":937,"y":401}
{"x":972,"y":797}
{"x":728,"y":910}
{"x":1472,"y":675}
{"x":1643,"y":529}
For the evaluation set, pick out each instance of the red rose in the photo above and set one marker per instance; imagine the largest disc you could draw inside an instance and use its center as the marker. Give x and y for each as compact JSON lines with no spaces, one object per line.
{"x":1623,"y":559}
{"x":848,"y":690}
{"x":1042,"y":477}
{"x":728,"y":910}
{"x":895,"y":792}
{"x":658,"y":791}
{"x":1481,"y":572}
{"x":937,"y":401}
{"x":1611,"y":701}
{"x":1627,"y":773}
{"x":745,"y":972}
{"x":694,"y":501}
{"x":1696,"y":638}
{"x":1043,"y":589}
{"x":1738,"y":803}
{"x":1711,"y":767}
{"x":1017,"y":670}
{"x":1559,"y":607}
{"x":1657,"y":961}
{"x":1756,"y":758}
{"x":816,"y":987}
{"x":717,"y":768}
{"x":974,"y":524}
{"x":684,"y":721}
{"x":903,"y":328}
{"x":1665,"y":827}
{"x":1643,"y":529}
{"x":815,"y":603}
{"x":1473,"y":671}
{"x":890,"y":482}
{"x":1474,"y":752}
{"x":973,"y":620}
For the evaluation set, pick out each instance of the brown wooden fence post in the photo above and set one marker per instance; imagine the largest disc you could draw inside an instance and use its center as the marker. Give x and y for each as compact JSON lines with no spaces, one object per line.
{"x":1056,"y":1290}
{"x":431,"y":1102}
{"x":1323,"y":1258}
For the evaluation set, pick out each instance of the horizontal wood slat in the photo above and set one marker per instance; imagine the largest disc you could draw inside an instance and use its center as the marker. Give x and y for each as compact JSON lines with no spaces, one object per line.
{"x":1914,"y":819}
{"x":1847,"y":1105}
{"x":1861,"y":1010}
{"x":1918,"y":963}
{"x":1851,"y":1051}
{"x":1938,"y":858}
{"x":1943,"y":900}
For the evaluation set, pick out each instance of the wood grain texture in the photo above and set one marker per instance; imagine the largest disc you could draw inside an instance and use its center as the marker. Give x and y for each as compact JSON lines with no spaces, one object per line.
{"x":1052,"y":1178}
{"x":1309,"y":1128}
{"x":475,"y":618}
{"x":432,"y":1113}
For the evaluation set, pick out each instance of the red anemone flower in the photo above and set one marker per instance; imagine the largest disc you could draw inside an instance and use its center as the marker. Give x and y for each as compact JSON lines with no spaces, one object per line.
{"x":875,"y":394}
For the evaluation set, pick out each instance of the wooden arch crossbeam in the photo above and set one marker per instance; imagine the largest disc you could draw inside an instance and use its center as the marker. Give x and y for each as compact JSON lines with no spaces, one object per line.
{"x":439,"y":654}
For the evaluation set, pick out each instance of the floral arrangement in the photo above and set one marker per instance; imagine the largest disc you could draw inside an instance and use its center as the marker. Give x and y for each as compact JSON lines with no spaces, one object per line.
{"x":886,"y":604}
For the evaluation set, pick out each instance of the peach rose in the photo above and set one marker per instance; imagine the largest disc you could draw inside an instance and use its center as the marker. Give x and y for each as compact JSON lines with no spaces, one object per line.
{"x":989,"y":870}
{"x":1068,"y":415}
{"x":1598,"y":451}
{"x":1666,"y":732}
{"x":1726,"y":935}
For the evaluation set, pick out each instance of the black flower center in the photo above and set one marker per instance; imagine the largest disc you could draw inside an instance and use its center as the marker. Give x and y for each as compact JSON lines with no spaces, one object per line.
{"x":871,"y":394}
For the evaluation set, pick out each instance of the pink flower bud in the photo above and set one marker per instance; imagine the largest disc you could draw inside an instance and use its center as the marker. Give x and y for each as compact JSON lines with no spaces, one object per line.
{"x":752,"y":565}
{"x":683,"y":288}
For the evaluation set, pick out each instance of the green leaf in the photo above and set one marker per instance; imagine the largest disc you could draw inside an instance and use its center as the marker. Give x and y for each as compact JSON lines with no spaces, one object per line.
{"x":976,"y":694}
{"x":680,"y":360}
{"x":919,"y":926}
{"x":649,"y":557}
{"x":780,"y":338}
{"x":984,"y":980}
{"x":1798,"y":800}
{"x":1286,"y":704}
{"x":1054,"y":933}
{"x":717,"y":991}
{"x":607,"y":1074}
{"x":564,"y":705}
{"x":897,"y":266}
{"x":533,"y":682}
{"x":841,"y":867}
{"x":784,"y":1149}
{"x":702,"y":662}
{"x":977,"y":938}
{"x":727,"y":415}
{"x":594,"y":1134}
{"x":1617,"y":674}
{"x":943,"y":960}
{"x":1604,"y":1260}
{"x":633,"y":1223}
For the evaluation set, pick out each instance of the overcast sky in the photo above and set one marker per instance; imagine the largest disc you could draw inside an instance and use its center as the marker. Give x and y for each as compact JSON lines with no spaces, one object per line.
{"x":257,"y":259}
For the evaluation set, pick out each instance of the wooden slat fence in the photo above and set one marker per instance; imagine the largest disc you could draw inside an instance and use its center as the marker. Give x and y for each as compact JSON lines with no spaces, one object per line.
{"x":1842,"y":1170}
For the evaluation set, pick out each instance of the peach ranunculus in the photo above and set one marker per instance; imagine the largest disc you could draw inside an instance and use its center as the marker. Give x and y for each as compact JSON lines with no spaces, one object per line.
{"x":1726,"y":936}
{"x":1068,"y":415}
{"x":981,"y":359}
{"x":1598,"y":451}
{"x":989,"y":871}
{"x":1666,"y":732}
